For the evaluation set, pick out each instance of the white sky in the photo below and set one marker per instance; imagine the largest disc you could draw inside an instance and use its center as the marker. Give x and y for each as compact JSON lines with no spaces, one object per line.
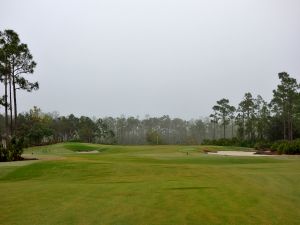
{"x":137,"y":57}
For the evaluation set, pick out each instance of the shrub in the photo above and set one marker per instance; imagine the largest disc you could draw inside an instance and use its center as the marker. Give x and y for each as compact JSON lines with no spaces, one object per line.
{"x":262,"y":145}
{"x":229,"y":142}
{"x":13,"y":150}
{"x":287,"y":147}
{"x":16,"y":148}
{"x":3,"y":154}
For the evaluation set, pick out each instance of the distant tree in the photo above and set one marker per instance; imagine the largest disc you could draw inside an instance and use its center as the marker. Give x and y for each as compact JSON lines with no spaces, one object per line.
{"x":232,"y":111}
{"x":103,"y":133}
{"x":132,"y":130}
{"x":165,"y":127}
{"x":35,"y":127}
{"x":240,"y":123}
{"x":179,"y":131}
{"x":154,"y":138}
{"x":197,"y":130}
{"x":87,"y":129}
{"x":262,"y":114}
{"x":284,"y":102}
{"x":214,"y":118}
{"x":296,"y":121}
{"x":223,"y":111}
{"x":247,"y":114}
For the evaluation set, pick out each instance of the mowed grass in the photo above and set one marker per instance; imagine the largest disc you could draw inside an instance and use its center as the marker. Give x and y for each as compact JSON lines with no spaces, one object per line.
{"x":142,"y":185}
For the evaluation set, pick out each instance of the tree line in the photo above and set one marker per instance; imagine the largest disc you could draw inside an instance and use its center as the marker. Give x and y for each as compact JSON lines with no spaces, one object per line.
{"x":40,"y":128}
{"x":255,"y":120}
{"x":252,"y":121}
{"x":273,"y":125}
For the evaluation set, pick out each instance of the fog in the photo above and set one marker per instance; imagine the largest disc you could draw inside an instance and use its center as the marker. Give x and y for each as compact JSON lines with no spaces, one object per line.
{"x":156,"y":57}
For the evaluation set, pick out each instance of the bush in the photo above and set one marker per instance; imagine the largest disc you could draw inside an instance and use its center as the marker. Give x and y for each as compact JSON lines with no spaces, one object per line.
{"x":276,"y":144}
{"x":3,"y":154}
{"x":13,"y":150}
{"x":262,"y":145}
{"x":229,"y":142}
{"x":287,"y":147}
{"x":17,"y":148}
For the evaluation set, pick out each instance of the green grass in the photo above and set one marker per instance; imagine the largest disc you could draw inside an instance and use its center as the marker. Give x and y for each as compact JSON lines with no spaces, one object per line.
{"x":140,"y":185}
{"x":79,"y":147}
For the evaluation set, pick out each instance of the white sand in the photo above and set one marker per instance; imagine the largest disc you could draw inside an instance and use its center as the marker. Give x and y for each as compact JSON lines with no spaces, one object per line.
{"x":88,"y":152}
{"x":235,"y":153}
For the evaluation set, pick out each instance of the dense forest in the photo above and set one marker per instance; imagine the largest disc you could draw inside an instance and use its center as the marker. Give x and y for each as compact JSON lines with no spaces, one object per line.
{"x":253,"y":121}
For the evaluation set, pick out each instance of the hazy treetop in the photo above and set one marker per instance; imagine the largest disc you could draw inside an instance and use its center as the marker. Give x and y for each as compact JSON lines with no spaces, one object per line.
{"x":154,"y":57}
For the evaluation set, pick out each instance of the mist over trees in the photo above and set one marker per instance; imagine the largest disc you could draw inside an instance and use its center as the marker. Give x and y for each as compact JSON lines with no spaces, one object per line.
{"x":41,"y":128}
{"x":252,"y":120}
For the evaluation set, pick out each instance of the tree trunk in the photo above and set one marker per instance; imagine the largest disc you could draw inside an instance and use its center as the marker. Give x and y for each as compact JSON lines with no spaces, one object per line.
{"x":291,"y":130}
{"x":15,"y":102}
{"x":214,"y":130}
{"x":6,"y":106}
{"x":243,"y":134}
{"x":6,"y":109}
{"x":284,"y":136}
{"x":290,"y":127}
{"x":10,"y":108}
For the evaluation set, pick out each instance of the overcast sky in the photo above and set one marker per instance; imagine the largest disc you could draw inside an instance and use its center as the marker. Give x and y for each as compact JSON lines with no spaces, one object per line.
{"x":156,"y":57}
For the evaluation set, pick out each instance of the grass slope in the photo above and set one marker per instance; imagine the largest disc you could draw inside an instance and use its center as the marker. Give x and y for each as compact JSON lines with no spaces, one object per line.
{"x":79,"y":147}
{"x":140,"y":185}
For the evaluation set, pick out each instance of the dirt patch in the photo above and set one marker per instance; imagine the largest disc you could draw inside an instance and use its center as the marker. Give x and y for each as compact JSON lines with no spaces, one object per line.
{"x":206,"y":151}
{"x":266,"y":152}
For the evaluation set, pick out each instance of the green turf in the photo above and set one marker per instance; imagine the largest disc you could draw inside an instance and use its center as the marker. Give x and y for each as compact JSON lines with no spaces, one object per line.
{"x":79,"y":147}
{"x":141,"y":185}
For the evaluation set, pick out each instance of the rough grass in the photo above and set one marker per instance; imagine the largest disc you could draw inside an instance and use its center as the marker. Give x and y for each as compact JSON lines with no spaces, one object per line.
{"x":140,"y":185}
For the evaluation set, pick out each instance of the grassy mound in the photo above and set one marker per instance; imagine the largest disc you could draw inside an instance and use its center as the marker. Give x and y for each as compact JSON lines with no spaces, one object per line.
{"x":79,"y":147}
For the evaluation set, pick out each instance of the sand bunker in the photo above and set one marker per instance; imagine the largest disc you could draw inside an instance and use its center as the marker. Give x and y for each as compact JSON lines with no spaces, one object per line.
{"x":235,"y":153}
{"x":89,"y":152}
